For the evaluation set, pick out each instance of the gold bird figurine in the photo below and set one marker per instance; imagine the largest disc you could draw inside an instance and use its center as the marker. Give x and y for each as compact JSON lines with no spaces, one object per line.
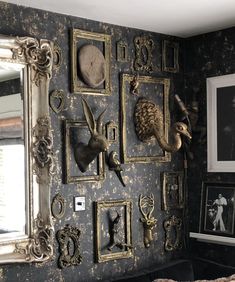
{"x":115,"y":165}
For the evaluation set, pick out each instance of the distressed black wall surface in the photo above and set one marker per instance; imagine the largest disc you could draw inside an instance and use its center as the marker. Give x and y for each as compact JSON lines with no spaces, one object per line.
{"x":206,"y":56}
{"x":140,"y":178}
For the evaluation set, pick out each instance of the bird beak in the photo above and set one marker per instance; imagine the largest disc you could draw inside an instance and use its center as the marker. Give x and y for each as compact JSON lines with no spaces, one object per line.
{"x":187,"y":134}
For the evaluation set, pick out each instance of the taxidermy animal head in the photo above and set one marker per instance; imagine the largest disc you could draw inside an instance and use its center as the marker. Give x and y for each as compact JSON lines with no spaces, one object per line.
{"x":85,"y":154}
{"x":149,"y":124}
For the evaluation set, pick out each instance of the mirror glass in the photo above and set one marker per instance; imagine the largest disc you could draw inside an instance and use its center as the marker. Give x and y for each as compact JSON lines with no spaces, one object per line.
{"x":12,"y":153}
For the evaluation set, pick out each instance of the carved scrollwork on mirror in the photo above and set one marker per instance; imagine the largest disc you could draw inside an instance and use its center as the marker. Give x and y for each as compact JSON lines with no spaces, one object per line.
{"x":26,"y":150}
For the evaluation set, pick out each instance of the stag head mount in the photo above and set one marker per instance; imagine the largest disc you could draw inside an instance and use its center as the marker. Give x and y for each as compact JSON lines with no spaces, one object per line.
{"x":146,"y":205}
{"x":148,"y":118}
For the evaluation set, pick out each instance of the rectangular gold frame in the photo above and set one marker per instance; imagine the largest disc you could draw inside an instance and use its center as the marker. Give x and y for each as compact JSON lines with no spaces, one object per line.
{"x":143,"y":79}
{"x":100,"y":159}
{"x":99,"y":205}
{"x":75,"y":86}
{"x":165,"y":203}
{"x":175,"y":46}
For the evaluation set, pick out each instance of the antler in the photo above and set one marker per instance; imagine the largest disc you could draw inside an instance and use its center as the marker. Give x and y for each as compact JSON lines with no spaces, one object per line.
{"x":148,"y":203}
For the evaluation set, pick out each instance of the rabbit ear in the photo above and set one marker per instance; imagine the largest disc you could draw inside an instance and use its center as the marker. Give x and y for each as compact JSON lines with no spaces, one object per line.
{"x":99,"y":120}
{"x":89,"y":116}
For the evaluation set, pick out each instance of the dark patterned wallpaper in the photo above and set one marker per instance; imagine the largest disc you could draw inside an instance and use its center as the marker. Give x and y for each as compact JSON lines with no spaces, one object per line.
{"x":140,"y":178}
{"x":206,"y":56}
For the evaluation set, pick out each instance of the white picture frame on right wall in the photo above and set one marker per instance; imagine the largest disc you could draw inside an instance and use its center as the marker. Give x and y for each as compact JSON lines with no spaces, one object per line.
{"x":221,"y":123}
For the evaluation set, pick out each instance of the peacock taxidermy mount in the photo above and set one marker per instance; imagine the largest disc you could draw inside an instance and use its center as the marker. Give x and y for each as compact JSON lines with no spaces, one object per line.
{"x":148,"y":118}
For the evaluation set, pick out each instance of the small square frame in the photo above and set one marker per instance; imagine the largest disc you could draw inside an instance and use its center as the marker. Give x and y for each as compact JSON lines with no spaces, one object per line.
{"x":111,"y":132}
{"x":99,"y":176}
{"x":122,"y":51}
{"x":126,"y":99}
{"x":100,"y":207}
{"x":217,"y":214}
{"x":166,"y":47}
{"x":76,"y":85}
{"x":172,"y":190}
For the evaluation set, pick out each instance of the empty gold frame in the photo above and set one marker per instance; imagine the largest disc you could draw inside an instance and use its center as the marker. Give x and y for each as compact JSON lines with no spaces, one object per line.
{"x":81,"y":38}
{"x":173,"y":232}
{"x":34,"y":58}
{"x":122,"y":51}
{"x":132,"y":149}
{"x":172,"y":190}
{"x":111,"y":132}
{"x":72,"y":173}
{"x":170,"y":56}
{"x":102,"y":229}
{"x":143,"y":49}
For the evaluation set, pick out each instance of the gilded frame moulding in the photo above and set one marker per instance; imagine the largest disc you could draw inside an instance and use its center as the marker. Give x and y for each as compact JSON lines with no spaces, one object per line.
{"x":172,"y":190}
{"x":166,"y":45}
{"x":36,"y":58}
{"x":122,"y":51}
{"x":173,"y":225}
{"x":127,"y":98}
{"x":58,"y":201}
{"x":127,"y":249}
{"x":65,"y":236}
{"x":111,"y":132}
{"x":76,"y":85}
{"x":143,"y":64}
{"x":99,"y":176}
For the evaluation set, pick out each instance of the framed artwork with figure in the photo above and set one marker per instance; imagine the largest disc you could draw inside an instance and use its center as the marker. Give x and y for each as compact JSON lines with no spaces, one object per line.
{"x":218,"y":209}
{"x":221,"y":123}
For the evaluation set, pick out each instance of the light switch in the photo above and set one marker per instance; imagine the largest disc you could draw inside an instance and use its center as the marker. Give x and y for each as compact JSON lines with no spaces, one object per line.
{"x":79,"y":204}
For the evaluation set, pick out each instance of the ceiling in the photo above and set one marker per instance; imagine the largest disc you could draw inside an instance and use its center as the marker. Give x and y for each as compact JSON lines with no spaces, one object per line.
{"x":181,"y":18}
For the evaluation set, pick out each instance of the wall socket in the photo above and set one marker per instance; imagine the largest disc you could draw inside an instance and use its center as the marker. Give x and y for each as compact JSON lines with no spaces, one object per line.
{"x":79,"y":204}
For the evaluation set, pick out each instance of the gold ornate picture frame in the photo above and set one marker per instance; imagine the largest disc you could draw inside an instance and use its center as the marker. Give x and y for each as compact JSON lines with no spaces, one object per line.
{"x":74,"y":132}
{"x":170,"y":56}
{"x":157,"y":90}
{"x":68,"y":238}
{"x":144,"y":47}
{"x":81,"y":38}
{"x":173,"y":232}
{"x":172,"y":190}
{"x":113,"y":230}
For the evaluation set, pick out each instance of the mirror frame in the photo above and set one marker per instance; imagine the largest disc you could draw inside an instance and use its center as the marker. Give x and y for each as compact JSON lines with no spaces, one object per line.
{"x":36,"y":56}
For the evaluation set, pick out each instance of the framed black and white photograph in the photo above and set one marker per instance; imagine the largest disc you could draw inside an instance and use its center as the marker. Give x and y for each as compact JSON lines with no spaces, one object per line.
{"x":217,"y":209}
{"x":221,"y":123}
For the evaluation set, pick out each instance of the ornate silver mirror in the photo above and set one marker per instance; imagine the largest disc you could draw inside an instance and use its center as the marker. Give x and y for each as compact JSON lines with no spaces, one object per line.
{"x":26,"y":159}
